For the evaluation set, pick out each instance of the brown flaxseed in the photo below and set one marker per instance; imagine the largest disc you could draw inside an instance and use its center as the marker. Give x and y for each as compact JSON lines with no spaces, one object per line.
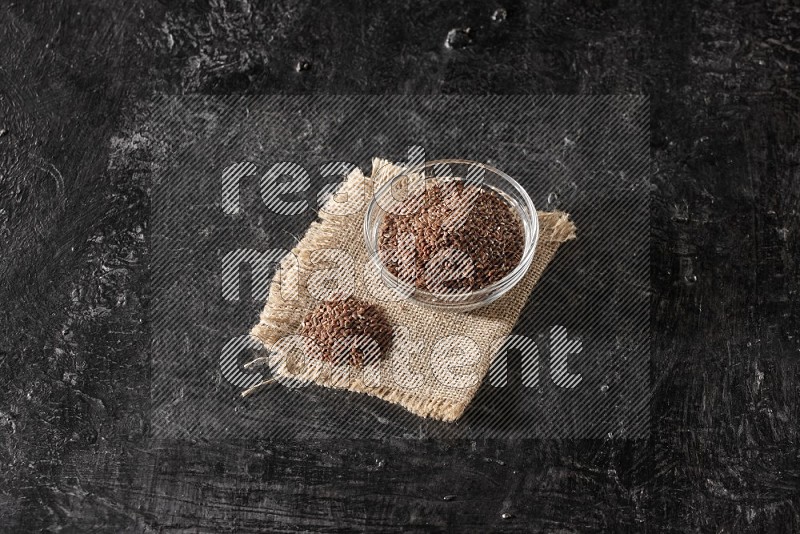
{"x":452,"y":237}
{"x":348,"y":331}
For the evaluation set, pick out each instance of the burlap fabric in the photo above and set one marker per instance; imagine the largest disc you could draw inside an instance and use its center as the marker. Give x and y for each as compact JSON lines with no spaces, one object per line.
{"x":437,"y":359}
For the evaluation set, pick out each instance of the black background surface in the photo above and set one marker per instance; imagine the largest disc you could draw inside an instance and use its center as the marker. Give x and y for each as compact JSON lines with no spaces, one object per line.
{"x":76,"y":78}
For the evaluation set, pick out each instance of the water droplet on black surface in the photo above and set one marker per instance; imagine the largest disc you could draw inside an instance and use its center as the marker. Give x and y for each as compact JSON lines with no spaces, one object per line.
{"x":499,"y":15}
{"x":458,"y":38}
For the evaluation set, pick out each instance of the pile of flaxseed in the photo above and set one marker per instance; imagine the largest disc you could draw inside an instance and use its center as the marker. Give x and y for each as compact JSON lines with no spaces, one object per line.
{"x":348,"y":331}
{"x":452,"y":237}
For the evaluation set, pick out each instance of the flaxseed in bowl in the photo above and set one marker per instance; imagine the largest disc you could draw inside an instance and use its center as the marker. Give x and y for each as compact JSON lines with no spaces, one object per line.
{"x":451,"y":234}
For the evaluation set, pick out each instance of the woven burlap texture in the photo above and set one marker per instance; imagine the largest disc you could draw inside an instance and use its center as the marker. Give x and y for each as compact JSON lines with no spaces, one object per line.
{"x":429,"y":383}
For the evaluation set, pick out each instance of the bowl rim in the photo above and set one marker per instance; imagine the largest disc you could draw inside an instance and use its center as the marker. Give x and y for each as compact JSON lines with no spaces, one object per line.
{"x":509,"y":280}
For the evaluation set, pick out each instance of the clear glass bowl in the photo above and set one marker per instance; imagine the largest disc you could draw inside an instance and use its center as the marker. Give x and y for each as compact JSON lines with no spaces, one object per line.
{"x":475,"y":173}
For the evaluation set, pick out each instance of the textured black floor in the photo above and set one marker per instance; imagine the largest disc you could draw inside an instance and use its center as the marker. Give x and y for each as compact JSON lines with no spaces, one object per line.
{"x":76,"y":78}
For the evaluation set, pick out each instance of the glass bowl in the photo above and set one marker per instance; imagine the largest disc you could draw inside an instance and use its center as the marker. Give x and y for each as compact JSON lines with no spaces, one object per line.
{"x":386,"y":200}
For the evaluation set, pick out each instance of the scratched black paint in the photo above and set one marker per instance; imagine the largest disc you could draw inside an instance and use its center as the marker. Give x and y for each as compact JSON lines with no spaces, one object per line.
{"x":76,"y":79}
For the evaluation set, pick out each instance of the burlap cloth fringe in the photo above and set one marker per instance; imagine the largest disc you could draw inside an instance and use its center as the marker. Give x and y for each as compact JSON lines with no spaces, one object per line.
{"x":426,"y":395}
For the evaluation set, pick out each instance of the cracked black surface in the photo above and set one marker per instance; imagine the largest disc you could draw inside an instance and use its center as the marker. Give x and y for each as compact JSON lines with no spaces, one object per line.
{"x":77,"y":80}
